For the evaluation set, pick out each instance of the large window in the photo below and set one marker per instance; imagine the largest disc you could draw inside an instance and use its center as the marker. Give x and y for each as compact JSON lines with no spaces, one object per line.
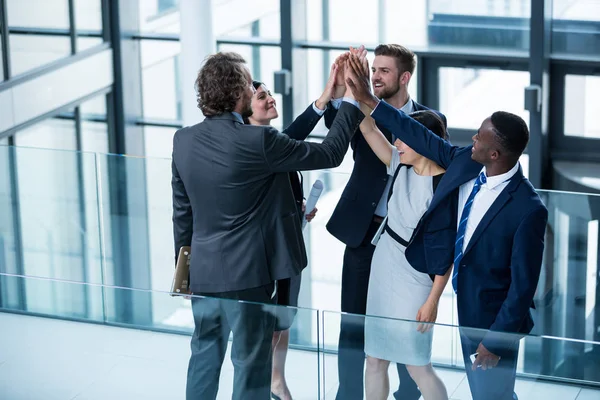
{"x":576,"y":27}
{"x":469,"y":95}
{"x":161,"y":87}
{"x":582,"y":102}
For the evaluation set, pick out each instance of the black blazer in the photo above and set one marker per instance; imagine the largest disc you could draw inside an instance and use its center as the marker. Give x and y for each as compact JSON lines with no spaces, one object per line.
{"x":299,"y":129}
{"x":232,"y":200}
{"x":501,"y":265}
{"x":354,"y":212}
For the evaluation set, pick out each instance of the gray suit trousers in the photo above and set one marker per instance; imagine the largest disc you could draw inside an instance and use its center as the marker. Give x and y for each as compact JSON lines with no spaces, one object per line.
{"x":252,"y":326}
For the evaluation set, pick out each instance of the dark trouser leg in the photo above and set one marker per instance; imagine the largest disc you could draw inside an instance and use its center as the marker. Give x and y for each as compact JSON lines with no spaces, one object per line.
{"x":493,"y":384}
{"x":209,"y":344}
{"x":351,"y":353}
{"x":251,"y":355}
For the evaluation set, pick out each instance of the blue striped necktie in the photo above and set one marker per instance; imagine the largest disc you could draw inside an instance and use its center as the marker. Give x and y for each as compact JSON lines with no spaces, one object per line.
{"x":462,"y":228}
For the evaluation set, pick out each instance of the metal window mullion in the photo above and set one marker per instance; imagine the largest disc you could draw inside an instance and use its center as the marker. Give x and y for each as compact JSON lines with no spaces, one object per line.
{"x":287,"y":48}
{"x":5,"y":40}
{"x":72,"y":27}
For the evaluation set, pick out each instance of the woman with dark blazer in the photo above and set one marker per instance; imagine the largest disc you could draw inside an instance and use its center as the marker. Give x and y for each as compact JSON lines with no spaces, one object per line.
{"x":263,"y":112}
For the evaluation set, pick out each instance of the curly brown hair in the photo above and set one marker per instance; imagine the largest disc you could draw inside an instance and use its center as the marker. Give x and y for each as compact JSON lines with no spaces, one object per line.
{"x":220,"y":83}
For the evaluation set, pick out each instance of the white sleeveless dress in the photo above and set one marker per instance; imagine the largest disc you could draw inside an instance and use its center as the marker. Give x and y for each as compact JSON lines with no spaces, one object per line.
{"x":396,"y":289}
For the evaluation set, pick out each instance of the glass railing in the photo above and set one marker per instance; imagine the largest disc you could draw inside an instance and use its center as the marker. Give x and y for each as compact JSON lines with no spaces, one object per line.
{"x":93,"y":354}
{"x":106,"y":220}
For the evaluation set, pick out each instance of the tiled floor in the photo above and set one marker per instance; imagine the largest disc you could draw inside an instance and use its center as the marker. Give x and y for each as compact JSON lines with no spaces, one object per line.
{"x":53,"y":359}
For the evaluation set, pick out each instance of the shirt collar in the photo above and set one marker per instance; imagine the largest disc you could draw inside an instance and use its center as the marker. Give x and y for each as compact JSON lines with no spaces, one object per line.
{"x":493,"y":181}
{"x":238,"y":116}
{"x":408,"y":107}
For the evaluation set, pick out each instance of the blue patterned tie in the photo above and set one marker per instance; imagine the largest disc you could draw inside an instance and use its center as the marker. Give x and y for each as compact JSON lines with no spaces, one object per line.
{"x":462,"y":228}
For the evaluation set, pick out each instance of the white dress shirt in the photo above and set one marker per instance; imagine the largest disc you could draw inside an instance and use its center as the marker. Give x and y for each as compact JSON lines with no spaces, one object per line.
{"x":484,"y":199}
{"x":381,"y":208}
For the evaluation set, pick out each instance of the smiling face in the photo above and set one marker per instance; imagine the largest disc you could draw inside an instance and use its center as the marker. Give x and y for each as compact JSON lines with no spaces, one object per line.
{"x":407,"y":155}
{"x":387,"y":79}
{"x":485,"y":146}
{"x":263,"y":107}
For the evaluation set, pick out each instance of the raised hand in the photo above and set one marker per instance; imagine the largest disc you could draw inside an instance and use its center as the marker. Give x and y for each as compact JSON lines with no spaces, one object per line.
{"x":330,"y":88}
{"x":357,"y":79}
{"x":340,"y":80}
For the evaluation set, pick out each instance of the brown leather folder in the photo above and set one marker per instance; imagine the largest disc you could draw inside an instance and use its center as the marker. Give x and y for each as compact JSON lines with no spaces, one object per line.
{"x":181,"y":277}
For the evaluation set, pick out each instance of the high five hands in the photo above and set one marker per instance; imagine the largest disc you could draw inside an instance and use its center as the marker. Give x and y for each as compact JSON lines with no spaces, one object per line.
{"x":356,"y":74}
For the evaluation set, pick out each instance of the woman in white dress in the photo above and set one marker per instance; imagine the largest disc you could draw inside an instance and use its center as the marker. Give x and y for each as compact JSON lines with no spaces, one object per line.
{"x":396,"y":289}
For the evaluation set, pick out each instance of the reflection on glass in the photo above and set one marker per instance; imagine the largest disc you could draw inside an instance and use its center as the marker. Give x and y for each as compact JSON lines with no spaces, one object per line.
{"x":575,"y":27}
{"x":582,"y":102}
{"x":480,"y":23}
{"x":161,"y":90}
{"x":38,"y":14}
{"x":31,"y":51}
{"x":469,"y":95}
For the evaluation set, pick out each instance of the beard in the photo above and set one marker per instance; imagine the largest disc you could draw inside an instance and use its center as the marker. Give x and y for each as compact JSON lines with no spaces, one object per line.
{"x":386,"y":92}
{"x":247,"y":111}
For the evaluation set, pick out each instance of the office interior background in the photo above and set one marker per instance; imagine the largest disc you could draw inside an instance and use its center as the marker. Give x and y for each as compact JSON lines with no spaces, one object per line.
{"x":92,"y":91}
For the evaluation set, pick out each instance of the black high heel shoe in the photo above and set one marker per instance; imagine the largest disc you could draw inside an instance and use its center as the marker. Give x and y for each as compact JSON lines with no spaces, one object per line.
{"x":274,"y":396}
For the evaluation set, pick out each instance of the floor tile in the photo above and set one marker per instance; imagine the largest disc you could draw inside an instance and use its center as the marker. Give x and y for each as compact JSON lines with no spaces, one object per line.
{"x":589,"y":394}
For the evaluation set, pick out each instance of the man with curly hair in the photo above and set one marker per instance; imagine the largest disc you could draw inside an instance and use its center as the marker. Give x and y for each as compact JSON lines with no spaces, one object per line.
{"x":233,"y":204}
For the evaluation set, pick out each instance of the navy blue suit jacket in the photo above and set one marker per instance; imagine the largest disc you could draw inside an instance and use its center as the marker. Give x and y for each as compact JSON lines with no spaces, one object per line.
{"x":500,"y":269}
{"x":354,"y":212}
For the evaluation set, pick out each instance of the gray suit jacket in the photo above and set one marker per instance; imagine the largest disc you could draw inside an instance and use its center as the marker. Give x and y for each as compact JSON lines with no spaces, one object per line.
{"x":233,"y":203}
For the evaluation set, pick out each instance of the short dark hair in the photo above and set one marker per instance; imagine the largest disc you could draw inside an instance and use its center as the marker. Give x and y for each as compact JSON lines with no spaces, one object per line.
{"x":432,"y":121}
{"x":220,"y":83}
{"x":405,"y":58}
{"x":257,"y":84}
{"x":511,"y":132}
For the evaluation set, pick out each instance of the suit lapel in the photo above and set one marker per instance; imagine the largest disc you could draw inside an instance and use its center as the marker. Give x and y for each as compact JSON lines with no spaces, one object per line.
{"x":497,"y":205}
{"x":462,"y":175}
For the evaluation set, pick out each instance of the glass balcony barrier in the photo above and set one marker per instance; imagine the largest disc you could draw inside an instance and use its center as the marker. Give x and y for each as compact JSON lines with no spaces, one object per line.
{"x":104,"y":219}
{"x":117,"y":346}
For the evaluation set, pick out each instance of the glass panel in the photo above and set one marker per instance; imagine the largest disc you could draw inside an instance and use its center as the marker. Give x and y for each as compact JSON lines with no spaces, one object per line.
{"x":57,"y":207}
{"x":263,"y":62}
{"x":1,"y":61}
{"x":256,"y":18}
{"x":84,"y":43}
{"x":159,"y":144}
{"x":160,"y":79}
{"x":31,"y":51}
{"x":94,"y":133}
{"x":469,"y":95}
{"x":342,"y":11}
{"x":90,"y":360}
{"x":582,"y":97}
{"x":159,"y":16}
{"x":9,"y":238}
{"x":88,"y":15}
{"x":481,"y":23}
{"x":539,"y":360}
{"x":576,"y":27}
{"x":38,"y":13}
